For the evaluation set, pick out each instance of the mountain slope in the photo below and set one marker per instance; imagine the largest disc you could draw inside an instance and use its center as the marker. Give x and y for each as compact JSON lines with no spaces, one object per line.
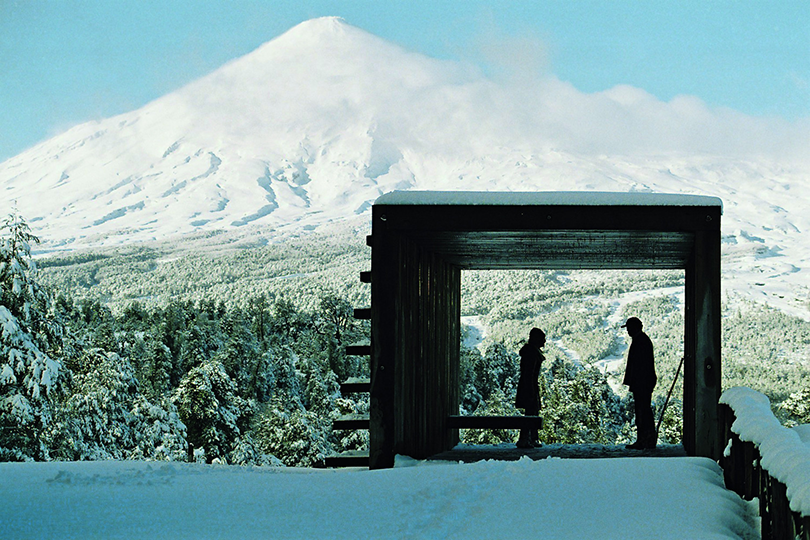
{"x":312,"y":126}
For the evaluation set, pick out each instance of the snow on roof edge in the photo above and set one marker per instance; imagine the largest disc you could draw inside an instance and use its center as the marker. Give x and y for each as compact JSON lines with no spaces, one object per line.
{"x":545,"y":198}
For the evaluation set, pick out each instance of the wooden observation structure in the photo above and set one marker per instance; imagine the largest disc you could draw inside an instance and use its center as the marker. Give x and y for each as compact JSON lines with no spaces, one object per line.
{"x":422,"y":240}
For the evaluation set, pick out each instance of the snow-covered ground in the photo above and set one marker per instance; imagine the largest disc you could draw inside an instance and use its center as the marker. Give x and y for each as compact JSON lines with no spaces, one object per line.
{"x":476,"y":331}
{"x":650,"y":498}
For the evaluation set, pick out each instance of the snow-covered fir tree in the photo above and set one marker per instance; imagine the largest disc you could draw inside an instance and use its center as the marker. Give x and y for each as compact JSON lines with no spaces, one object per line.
{"x":796,"y":407}
{"x":211,"y":409}
{"x":578,"y":406}
{"x":293,"y":434}
{"x":498,"y":404}
{"x":105,"y":416}
{"x":31,"y":343}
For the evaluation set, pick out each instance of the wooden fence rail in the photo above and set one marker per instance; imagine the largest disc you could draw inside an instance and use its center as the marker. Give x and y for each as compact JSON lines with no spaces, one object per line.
{"x":745,"y":475}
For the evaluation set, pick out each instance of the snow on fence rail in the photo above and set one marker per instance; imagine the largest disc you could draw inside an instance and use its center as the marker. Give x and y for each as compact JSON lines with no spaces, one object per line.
{"x":764,"y":459}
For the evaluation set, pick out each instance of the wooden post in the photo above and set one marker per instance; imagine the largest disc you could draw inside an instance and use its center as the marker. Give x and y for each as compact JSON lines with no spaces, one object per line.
{"x":750,"y":457}
{"x":738,"y":467}
{"x":739,"y":471}
{"x":782,"y":516}
{"x":384,"y":261}
{"x":765,"y":507}
{"x":703,"y":338}
{"x":690,"y":353}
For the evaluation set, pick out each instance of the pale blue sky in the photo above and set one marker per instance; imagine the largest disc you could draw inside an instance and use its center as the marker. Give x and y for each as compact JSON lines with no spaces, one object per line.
{"x":63,"y":62}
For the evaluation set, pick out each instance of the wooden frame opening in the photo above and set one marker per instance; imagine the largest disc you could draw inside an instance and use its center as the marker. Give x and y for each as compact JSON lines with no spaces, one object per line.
{"x":422,"y":240}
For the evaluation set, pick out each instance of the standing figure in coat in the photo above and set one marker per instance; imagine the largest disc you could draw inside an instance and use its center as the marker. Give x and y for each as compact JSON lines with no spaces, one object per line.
{"x":640,"y":376}
{"x":528,"y":391}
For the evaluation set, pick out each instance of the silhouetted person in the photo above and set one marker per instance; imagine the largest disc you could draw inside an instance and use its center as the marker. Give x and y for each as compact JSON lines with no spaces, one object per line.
{"x":528,"y":391}
{"x":640,"y":376}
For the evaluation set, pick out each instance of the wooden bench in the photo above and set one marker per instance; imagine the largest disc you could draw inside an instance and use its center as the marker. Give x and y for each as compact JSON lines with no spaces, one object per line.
{"x":494,"y":422}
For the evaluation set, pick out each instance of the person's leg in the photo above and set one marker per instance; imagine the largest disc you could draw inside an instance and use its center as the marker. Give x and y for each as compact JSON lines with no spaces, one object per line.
{"x":528,"y":437}
{"x":638,"y":407}
{"x":533,"y":438}
{"x":645,"y":420}
{"x":524,"y":440}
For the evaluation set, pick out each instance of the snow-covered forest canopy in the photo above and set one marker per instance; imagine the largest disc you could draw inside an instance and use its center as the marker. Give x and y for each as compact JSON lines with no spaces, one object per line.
{"x":233,"y":350}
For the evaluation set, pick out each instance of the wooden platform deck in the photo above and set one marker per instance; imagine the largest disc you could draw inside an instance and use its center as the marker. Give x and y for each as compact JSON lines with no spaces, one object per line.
{"x":509,"y":452}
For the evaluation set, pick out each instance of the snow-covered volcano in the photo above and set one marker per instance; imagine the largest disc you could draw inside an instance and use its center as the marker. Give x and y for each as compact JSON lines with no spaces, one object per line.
{"x":314,"y":125}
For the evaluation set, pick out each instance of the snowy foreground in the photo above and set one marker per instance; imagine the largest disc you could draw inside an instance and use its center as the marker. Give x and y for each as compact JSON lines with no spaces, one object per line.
{"x":552,"y":498}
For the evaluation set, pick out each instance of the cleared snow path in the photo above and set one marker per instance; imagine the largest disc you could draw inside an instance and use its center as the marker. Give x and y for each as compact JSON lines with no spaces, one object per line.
{"x":553,"y":498}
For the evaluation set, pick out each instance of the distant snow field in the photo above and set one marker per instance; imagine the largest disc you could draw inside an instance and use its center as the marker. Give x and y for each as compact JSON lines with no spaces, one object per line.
{"x":628,"y":498}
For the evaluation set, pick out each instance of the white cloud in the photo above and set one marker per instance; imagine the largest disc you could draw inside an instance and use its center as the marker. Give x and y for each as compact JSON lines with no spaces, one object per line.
{"x":525,"y":101}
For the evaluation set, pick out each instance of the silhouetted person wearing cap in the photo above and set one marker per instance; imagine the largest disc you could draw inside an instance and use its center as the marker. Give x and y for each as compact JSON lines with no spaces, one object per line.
{"x":640,"y":376}
{"x":528,"y":390}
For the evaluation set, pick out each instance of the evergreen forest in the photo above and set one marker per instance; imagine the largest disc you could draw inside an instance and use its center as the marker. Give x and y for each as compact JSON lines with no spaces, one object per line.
{"x":230,"y":349}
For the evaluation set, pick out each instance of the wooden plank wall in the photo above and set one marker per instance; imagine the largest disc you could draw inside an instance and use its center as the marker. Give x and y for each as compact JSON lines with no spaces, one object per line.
{"x":427,"y":352}
{"x":415,"y":334}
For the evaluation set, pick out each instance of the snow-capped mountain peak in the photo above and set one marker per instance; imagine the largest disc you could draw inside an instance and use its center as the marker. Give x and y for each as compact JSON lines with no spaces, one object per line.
{"x":314,"y":125}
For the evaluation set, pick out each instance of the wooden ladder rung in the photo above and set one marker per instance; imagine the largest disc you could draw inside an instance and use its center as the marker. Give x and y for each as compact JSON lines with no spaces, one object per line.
{"x":354,"y":385}
{"x":358,"y":350}
{"x":351,"y":421}
{"x":362,"y":314}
